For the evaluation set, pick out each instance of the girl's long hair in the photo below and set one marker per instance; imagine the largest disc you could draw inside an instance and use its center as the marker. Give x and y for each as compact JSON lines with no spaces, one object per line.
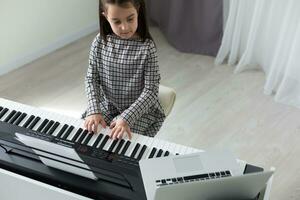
{"x":142,"y":29}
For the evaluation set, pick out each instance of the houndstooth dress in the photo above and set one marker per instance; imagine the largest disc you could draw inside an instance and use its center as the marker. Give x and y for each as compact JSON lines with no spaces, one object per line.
{"x":122,"y":81}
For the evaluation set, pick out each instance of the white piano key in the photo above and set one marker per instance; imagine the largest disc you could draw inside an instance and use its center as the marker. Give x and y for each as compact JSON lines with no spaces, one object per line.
{"x":6,"y":114}
{"x":72,"y":134}
{"x":132,"y":145}
{"x":37,"y":124}
{"x":100,"y":142}
{"x":70,"y":123}
{"x":61,"y":124}
{"x":148,"y":143}
{"x":24,"y":120}
{"x":93,"y":139}
{"x":142,"y":141}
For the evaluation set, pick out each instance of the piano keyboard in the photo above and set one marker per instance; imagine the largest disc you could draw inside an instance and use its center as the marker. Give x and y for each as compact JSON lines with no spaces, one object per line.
{"x":70,"y":129}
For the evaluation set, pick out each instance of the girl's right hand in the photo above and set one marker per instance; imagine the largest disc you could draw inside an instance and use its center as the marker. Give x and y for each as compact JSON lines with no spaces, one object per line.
{"x":92,"y":121}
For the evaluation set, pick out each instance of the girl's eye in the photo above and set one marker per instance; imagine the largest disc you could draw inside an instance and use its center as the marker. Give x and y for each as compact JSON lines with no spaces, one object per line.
{"x":130,"y":20}
{"x":117,"y":22}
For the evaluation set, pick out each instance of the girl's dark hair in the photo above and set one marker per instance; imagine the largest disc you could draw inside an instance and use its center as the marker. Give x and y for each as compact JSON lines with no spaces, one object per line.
{"x":142,"y":29}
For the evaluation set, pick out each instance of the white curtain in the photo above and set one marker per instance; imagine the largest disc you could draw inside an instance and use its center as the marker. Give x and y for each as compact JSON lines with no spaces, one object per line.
{"x":265,"y":34}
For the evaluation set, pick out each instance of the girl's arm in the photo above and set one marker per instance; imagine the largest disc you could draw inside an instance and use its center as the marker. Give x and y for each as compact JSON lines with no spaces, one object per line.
{"x":150,"y":93}
{"x":92,"y":80}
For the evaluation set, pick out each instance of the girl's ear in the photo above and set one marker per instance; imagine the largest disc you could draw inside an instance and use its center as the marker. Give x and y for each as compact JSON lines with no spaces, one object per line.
{"x":104,"y":14}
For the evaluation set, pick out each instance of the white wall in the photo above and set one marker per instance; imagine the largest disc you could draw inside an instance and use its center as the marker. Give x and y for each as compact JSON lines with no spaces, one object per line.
{"x":33,"y":28}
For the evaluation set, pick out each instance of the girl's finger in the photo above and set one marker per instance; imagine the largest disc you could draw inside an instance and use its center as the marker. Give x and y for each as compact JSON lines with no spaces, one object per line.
{"x":113,"y":124}
{"x":120,"y":135}
{"x":129,"y":133}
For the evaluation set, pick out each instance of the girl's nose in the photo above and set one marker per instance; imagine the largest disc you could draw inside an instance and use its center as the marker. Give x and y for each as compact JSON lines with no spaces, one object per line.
{"x":124,"y":26}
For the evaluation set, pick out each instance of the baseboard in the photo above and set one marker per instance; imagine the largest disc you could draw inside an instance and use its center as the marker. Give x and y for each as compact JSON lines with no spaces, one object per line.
{"x":22,"y":60}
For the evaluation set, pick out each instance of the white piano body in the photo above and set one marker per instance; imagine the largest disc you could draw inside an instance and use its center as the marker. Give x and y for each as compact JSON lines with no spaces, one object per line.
{"x":17,"y":187}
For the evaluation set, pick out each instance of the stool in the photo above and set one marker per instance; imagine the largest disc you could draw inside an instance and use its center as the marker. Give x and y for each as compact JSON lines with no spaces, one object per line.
{"x":166,"y":96}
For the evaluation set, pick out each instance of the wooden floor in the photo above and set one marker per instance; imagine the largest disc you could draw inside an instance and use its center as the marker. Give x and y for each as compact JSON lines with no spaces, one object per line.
{"x":214,"y":108}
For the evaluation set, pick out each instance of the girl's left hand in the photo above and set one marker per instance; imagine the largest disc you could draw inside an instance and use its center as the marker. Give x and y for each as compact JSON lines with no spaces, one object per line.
{"x":118,"y":127}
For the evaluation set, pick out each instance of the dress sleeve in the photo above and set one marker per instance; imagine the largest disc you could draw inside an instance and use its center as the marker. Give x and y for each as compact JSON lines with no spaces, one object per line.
{"x":92,"y":80}
{"x":150,"y":92}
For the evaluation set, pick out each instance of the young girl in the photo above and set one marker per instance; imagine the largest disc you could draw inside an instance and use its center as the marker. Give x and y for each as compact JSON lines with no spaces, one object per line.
{"x":123,"y":75}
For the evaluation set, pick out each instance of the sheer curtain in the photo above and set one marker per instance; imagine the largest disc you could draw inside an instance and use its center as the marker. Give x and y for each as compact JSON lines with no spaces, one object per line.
{"x":265,"y":34}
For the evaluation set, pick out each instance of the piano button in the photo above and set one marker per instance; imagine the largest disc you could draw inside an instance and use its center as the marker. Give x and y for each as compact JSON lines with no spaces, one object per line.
{"x":13,"y":119}
{"x":61,"y":131}
{"x":20,"y":119}
{"x":53,"y":128}
{"x":82,"y":136}
{"x":125,"y":147}
{"x":3,"y":112}
{"x":43,"y":124}
{"x":112,"y":146}
{"x":70,"y":129}
{"x":166,"y":153}
{"x":1,"y":108}
{"x":152,"y":152}
{"x":95,"y":144}
{"x":119,"y":146}
{"x":77,"y":134}
{"x":48,"y":126}
{"x":10,"y":115}
{"x":103,"y":142}
{"x":159,"y":153}
{"x":88,"y":138}
{"x":137,"y":146}
{"x":140,"y":155}
{"x":33,"y":123}
{"x":29,"y":120}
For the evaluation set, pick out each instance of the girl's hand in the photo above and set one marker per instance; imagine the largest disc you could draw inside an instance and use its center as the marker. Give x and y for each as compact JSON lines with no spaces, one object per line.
{"x":119,"y":127}
{"x":91,"y":122}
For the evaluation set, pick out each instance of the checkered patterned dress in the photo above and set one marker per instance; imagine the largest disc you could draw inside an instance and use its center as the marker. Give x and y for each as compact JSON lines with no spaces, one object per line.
{"x":122,"y":81}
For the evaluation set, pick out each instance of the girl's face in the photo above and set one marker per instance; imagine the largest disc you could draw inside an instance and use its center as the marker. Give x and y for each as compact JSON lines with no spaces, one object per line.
{"x":123,"y":20}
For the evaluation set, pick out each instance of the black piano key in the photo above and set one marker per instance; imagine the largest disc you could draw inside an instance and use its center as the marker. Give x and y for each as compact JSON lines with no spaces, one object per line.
{"x":3,"y":112}
{"x":159,"y":153}
{"x":120,"y":145}
{"x":18,"y":121}
{"x":43,"y":124}
{"x":136,"y":148}
{"x":78,"y":132}
{"x":1,"y":108}
{"x":28,"y":121}
{"x":139,"y":157}
{"x":62,"y":130}
{"x":48,"y":126}
{"x":34,"y":122}
{"x":112,"y":146}
{"x":13,"y":119}
{"x":88,"y":138}
{"x":104,"y":142}
{"x":53,"y":128}
{"x":152,"y":152}
{"x":10,"y":115}
{"x":125,"y":147}
{"x":83,"y":135}
{"x":97,"y":140}
{"x":166,"y":153}
{"x":66,"y":135}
